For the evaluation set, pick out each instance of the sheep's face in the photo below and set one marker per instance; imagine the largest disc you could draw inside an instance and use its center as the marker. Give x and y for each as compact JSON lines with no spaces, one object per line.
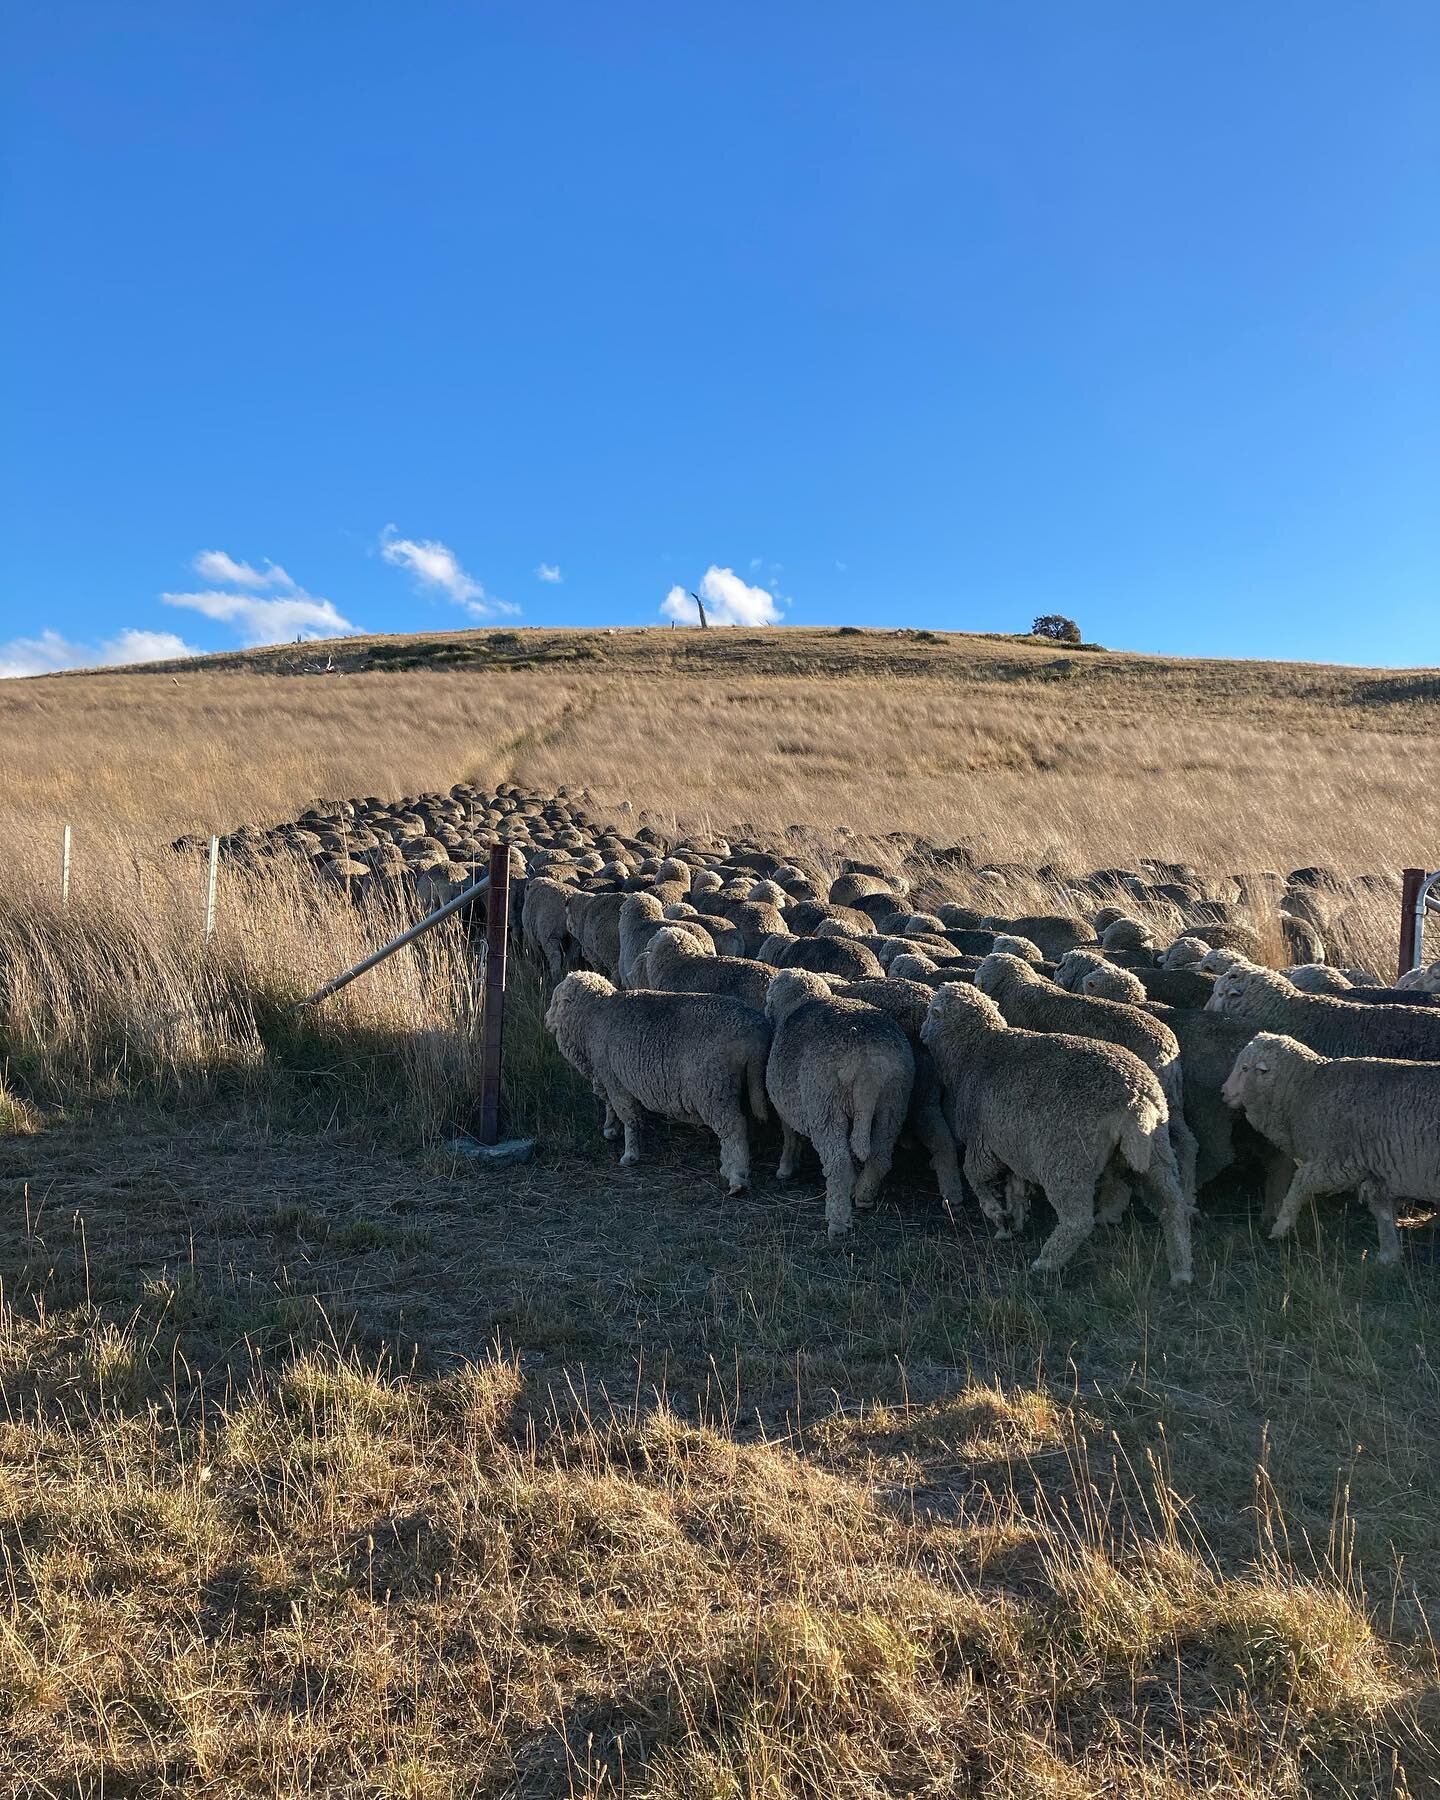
{"x":1184,"y":953}
{"x":571,"y":994}
{"x":1253,"y":1074}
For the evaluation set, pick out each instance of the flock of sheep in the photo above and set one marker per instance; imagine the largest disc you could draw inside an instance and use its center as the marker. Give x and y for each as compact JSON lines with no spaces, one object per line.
{"x":1067,"y":1053}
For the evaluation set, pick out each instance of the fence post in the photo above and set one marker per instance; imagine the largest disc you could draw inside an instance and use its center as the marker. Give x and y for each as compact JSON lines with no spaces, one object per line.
{"x":497,"y":915}
{"x":214,"y":861}
{"x":65,"y":837}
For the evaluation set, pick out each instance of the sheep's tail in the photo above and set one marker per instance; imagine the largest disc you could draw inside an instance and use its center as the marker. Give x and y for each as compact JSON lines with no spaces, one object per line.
{"x":755,"y":1082}
{"x":866,"y":1095}
{"x":1137,"y":1135}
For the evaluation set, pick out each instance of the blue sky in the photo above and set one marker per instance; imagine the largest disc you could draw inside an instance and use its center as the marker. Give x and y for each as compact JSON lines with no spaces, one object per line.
{"x":392,"y":317}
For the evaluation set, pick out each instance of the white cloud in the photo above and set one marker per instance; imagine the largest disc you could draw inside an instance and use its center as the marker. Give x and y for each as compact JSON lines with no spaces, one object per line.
{"x":215,"y":565}
{"x":435,"y":565}
{"x":549,"y":572}
{"x":274,"y":621}
{"x":728,"y":601}
{"x":49,"y":652}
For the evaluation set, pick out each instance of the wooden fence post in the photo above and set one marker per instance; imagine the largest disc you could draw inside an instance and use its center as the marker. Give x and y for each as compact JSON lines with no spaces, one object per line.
{"x":497,"y":915}
{"x":65,"y":838}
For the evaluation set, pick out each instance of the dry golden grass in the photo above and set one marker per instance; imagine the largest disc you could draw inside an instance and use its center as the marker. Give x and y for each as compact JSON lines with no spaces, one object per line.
{"x":1224,"y":765}
{"x":329,"y":1468}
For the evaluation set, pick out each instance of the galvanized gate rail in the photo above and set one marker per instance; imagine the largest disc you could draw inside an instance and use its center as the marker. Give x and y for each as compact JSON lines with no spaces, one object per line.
{"x":1419,"y":894}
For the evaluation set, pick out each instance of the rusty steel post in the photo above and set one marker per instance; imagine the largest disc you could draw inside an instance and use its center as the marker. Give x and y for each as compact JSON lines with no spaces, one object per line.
{"x":497,"y":917}
{"x":1410,"y":880}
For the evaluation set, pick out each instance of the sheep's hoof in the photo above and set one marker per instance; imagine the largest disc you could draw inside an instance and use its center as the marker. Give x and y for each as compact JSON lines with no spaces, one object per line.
{"x":1041,"y":1267}
{"x":1181,"y":1278}
{"x":1003,"y":1233}
{"x":1279,"y":1229}
{"x":837,"y":1231}
{"x":629,"y":1159}
{"x":784,"y":1174}
{"x":1388,"y":1259}
{"x":610,"y":1133}
{"x":737,"y":1187}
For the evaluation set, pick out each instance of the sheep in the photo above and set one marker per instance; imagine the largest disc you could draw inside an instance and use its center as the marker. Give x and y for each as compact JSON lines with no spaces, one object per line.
{"x":1181,"y":988}
{"x":917,"y":967}
{"x":1348,"y":1122}
{"x":1185,"y":953}
{"x":1217,"y":960}
{"x":1423,"y":979}
{"x":907,"y":1002}
{"x":821,"y":956}
{"x":1086,"y":972}
{"x":855,"y":885}
{"x":839,"y":1073}
{"x":594,"y":922}
{"x":1027,"y":1000}
{"x":1006,"y":943}
{"x":544,"y":923}
{"x":1123,"y":933}
{"x":1053,"y":933}
{"x":674,"y":963}
{"x":1064,"y":1113}
{"x":1316,"y":978}
{"x":694,"y":1057}
{"x":1209,"y":1044}
{"x":641,"y":917}
{"x":1265,"y":1001}
{"x":755,"y":920}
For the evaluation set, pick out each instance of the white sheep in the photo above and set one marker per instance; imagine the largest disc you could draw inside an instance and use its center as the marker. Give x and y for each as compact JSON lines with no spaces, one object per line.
{"x":693,"y":1057}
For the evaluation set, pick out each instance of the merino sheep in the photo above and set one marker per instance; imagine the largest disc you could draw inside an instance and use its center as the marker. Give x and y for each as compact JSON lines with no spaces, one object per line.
{"x":1209,"y":1044}
{"x":641,"y":917}
{"x":1054,"y":934}
{"x":840,"y":1073}
{"x":694,"y":1057}
{"x":1265,"y":1001}
{"x":1064,"y":1113}
{"x":1316,"y":978}
{"x":821,"y":956}
{"x":1185,"y":953}
{"x":1029,"y":1001}
{"x":675,"y":964}
{"x":1124,"y":933}
{"x":594,"y":921}
{"x":544,"y":922}
{"x":907,"y":1002}
{"x":1349,"y":1122}
{"x":1087,"y":972}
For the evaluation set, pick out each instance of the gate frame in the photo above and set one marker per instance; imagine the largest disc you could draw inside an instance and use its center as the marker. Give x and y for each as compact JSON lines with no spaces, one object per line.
{"x":1417,"y":897}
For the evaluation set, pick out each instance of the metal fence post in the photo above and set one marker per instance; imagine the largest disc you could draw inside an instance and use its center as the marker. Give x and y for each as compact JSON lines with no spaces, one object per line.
{"x":210,"y":887}
{"x":1410,"y":880}
{"x":497,"y":914}
{"x":65,"y":838}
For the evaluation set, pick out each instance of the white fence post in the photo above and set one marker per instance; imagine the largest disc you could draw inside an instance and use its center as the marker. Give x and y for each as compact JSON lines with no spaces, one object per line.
{"x":210,"y":887}
{"x":65,"y":836}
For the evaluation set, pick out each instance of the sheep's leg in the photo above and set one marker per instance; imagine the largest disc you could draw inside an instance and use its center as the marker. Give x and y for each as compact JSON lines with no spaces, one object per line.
{"x":937,"y":1139}
{"x":734,"y":1138}
{"x":789,"y":1151}
{"x":867,"y":1185}
{"x":1308,"y":1181}
{"x":610,"y":1130}
{"x":1075,"y":1219}
{"x":1382,"y":1208}
{"x":1114,"y":1201}
{"x":1017,"y":1202}
{"x":628,"y":1112}
{"x":839,"y":1167}
{"x":1279,"y":1171}
{"x":1172,"y":1204}
{"x":987,"y":1177}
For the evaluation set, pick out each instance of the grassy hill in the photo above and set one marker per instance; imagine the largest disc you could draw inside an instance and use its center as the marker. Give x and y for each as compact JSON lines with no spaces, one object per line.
{"x":332,"y":1465}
